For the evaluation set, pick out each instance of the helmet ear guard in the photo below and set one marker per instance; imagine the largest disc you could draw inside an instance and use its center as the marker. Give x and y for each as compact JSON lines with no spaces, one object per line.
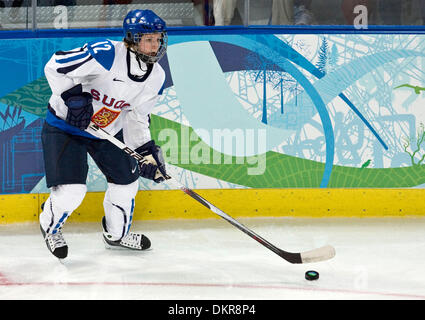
{"x":138,"y":23}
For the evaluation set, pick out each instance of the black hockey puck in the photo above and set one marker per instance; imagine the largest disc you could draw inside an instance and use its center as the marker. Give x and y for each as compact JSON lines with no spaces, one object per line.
{"x":312,"y":275}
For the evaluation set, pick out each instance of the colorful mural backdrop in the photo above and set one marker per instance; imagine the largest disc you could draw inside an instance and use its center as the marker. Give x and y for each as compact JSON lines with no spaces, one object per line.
{"x":251,"y":111}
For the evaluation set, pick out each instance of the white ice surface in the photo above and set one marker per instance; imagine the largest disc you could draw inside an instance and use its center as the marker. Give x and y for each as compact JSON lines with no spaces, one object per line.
{"x":210,"y":259}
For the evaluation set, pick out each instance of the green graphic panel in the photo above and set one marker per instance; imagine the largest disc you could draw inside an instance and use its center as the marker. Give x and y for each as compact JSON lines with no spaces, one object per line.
{"x":32,"y":98}
{"x":283,"y":171}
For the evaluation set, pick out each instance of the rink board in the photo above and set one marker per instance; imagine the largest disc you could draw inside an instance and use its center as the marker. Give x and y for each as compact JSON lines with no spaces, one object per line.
{"x":174,"y":204}
{"x":335,"y":109}
{"x":332,"y":108}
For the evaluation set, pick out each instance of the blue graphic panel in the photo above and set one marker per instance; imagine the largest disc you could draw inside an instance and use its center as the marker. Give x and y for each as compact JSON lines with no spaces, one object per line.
{"x":340,"y":100}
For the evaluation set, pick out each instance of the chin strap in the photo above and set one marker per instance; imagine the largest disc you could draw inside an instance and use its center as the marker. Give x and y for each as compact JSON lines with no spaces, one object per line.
{"x":139,"y":61}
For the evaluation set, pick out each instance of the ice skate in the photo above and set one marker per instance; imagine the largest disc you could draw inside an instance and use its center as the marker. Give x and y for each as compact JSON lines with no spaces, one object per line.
{"x":133,"y":241}
{"x":55,"y":243}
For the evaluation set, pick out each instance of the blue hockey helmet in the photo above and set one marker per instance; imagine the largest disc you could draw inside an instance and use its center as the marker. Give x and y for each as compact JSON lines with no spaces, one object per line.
{"x":141,"y":22}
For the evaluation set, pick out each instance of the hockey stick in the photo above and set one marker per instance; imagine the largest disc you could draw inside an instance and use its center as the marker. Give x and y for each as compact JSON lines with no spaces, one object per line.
{"x":315,"y":255}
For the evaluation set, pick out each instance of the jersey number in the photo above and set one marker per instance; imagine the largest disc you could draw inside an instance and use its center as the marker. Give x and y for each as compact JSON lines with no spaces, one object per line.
{"x":101,"y":46}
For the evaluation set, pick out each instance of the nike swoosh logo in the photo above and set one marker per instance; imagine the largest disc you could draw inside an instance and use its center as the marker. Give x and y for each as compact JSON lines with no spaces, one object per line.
{"x":115,"y":79}
{"x":134,"y":170}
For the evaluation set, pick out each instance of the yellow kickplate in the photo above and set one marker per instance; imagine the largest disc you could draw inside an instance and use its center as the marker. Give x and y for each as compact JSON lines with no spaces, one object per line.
{"x":174,"y":204}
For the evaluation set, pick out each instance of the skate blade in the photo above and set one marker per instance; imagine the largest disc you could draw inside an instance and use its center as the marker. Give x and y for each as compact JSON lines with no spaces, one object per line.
{"x":111,"y":247}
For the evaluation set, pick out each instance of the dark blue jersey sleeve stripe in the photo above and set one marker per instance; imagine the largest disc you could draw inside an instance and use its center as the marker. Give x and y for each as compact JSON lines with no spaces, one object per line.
{"x":162,"y":89}
{"x":64,"y":53}
{"x":73,"y":58}
{"x":65,"y":70}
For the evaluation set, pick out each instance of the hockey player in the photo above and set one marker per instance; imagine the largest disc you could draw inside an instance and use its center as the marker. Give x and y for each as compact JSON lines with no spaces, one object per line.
{"x":115,"y":84}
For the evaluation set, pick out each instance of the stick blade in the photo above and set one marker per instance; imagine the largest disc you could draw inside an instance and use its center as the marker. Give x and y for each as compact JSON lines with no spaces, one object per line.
{"x":320,"y":254}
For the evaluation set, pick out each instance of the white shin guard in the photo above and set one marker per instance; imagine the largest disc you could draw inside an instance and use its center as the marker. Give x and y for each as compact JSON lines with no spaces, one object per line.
{"x":63,"y":200}
{"x":119,"y":206}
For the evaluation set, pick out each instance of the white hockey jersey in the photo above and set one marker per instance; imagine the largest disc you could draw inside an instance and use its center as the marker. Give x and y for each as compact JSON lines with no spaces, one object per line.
{"x":124,"y":92}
